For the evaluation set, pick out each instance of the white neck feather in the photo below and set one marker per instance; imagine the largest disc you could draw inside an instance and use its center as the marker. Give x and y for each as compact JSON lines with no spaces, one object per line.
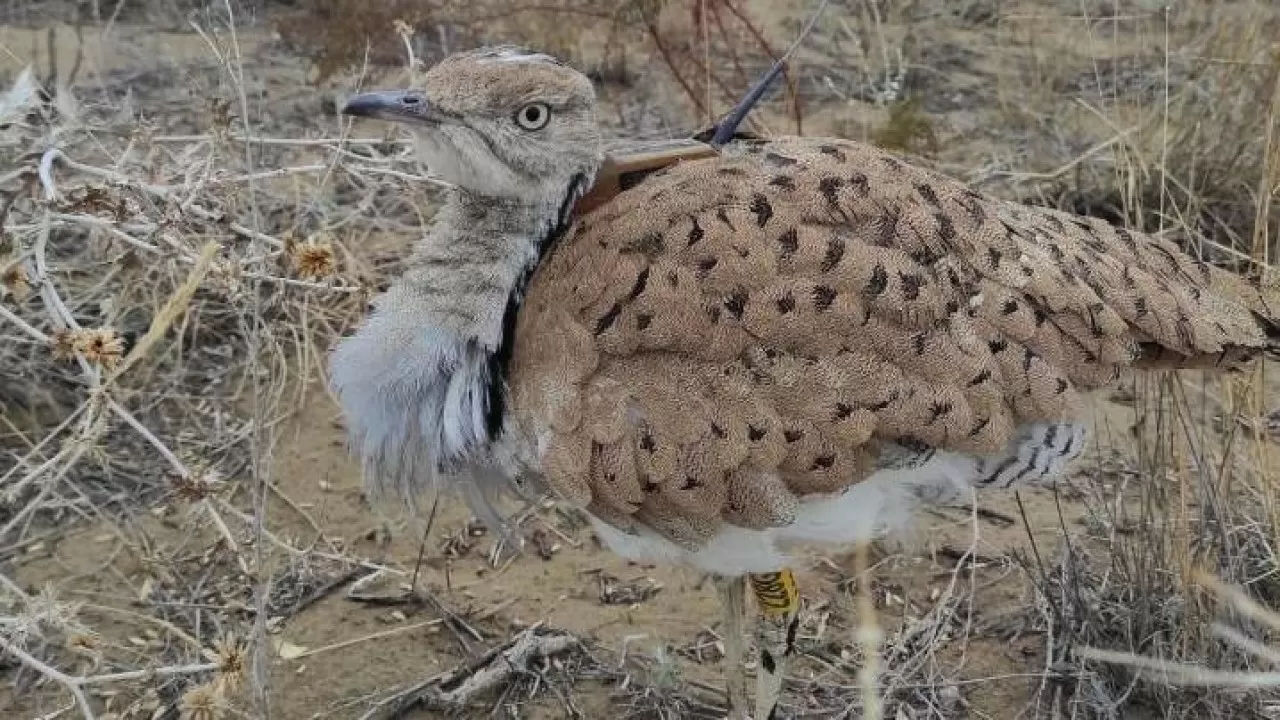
{"x":415,"y":380}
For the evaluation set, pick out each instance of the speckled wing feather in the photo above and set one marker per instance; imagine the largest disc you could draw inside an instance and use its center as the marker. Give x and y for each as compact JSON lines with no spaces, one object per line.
{"x":736,"y":333}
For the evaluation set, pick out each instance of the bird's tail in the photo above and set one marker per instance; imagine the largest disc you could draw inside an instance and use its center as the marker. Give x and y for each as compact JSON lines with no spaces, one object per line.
{"x":1259,"y":293}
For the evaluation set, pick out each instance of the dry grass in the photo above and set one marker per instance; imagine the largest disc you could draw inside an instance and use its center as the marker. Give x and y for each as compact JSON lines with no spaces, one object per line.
{"x":164,"y":296}
{"x":174,"y":270}
{"x":708,"y":50}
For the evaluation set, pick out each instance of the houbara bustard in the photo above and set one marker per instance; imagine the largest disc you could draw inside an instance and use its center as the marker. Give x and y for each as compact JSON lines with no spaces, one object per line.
{"x":789,"y":340}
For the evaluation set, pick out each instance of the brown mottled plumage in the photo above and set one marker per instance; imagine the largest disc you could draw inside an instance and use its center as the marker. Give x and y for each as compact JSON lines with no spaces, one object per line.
{"x":791,"y":340}
{"x":785,"y":309}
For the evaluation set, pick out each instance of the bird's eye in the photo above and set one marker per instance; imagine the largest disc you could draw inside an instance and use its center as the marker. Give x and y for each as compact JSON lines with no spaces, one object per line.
{"x":533,"y":116}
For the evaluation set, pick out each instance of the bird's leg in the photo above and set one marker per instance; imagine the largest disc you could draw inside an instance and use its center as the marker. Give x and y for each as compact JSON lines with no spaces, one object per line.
{"x":778,"y":602}
{"x":732,"y":604}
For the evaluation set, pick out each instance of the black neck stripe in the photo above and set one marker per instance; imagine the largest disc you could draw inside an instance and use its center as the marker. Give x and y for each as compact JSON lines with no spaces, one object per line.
{"x":500,"y":360}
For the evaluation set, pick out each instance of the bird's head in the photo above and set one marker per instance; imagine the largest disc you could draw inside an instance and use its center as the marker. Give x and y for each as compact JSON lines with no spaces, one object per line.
{"x":500,"y":121}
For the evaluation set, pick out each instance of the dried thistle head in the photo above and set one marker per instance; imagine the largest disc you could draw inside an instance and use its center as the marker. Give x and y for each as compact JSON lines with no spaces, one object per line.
{"x":203,"y":702}
{"x":86,"y":643}
{"x":62,"y":344}
{"x":197,"y":486}
{"x":232,"y":656}
{"x":15,"y":282}
{"x":101,"y":346}
{"x":314,"y":258}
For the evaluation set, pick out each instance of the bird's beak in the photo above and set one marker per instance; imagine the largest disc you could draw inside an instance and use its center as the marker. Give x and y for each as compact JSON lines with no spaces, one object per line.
{"x":393,"y":105}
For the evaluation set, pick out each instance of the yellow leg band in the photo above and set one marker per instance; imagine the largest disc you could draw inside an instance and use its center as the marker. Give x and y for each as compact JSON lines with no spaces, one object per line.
{"x":776,"y":593}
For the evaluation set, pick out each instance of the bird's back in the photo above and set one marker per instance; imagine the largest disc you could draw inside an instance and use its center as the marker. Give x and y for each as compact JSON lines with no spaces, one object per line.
{"x":735,"y":334}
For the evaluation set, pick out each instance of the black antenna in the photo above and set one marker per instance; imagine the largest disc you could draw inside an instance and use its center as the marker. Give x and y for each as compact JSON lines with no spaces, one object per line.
{"x":729,"y":125}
